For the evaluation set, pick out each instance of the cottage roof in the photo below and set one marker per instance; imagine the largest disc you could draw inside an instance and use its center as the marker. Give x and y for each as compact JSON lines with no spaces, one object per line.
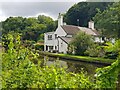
{"x":72,"y":30}
{"x":89,"y":31}
{"x":65,"y":39}
{"x":49,"y":33}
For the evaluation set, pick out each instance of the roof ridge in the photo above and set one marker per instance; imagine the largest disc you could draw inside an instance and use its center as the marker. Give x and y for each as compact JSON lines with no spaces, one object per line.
{"x":70,"y":25}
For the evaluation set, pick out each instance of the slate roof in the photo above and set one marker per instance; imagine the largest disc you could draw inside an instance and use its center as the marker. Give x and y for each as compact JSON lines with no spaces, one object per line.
{"x":66,"y":39}
{"x":89,"y":31}
{"x":72,"y":30}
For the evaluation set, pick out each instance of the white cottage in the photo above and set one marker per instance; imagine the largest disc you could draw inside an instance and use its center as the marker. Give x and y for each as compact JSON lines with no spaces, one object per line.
{"x":59,"y":40}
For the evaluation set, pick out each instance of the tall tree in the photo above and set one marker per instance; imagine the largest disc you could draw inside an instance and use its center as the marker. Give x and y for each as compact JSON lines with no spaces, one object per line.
{"x":30,"y":28}
{"x":83,"y":12}
{"x":108,"y":21}
{"x":48,"y":21}
{"x":13,"y":24}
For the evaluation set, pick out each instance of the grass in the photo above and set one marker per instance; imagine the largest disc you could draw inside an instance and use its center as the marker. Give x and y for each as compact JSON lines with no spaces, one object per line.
{"x":80,"y":58}
{"x":87,"y":58}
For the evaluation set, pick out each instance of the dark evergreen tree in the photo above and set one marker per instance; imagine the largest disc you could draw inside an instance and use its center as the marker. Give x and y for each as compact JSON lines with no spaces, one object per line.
{"x":83,"y":12}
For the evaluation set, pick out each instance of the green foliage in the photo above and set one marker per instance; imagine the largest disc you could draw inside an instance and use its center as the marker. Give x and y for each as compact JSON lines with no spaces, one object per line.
{"x":6,"y":40}
{"x":95,"y":50}
{"x":39,"y":47}
{"x":19,"y":71}
{"x":112,"y":50}
{"x":56,"y":77}
{"x":30,"y":28}
{"x":112,"y":47}
{"x":81,"y":42}
{"x":13,"y":24}
{"x":84,"y":11}
{"x":70,"y":49}
{"x":107,"y":50}
{"x":29,"y":44}
{"x":16,"y":67}
{"x":108,"y":21}
{"x":107,"y":77}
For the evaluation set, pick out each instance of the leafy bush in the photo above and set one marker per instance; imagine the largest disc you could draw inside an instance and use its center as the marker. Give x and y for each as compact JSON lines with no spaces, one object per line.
{"x":18,"y":71}
{"x":28,"y":43}
{"x":81,"y":42}
{"x":108,"y":76}
{"x":70,"y":49}
{"x":6,"y":39}
{"x":95,"y":51}
{"x":111,"y":50}
{"x":107,"y":50}
{"x":39,"y":47}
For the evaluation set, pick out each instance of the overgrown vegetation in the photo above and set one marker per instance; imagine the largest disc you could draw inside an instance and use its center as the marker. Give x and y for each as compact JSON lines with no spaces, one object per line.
{"x":83,"y":12}
{"x":19,"y":71}
{"x":84,"y":45}
{"x":108,"y":22}
{"x":80,"y":43}
{"x":21,"y":67}
{"x":30,"y":28}
{"x":105,"y":50}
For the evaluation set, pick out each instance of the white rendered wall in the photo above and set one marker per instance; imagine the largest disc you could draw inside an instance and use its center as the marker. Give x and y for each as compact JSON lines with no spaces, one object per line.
{"x":53,"y":42}
{"x":63,"y":47}
{"x":69,"y":36}
{"x":60,"y":32}
{"x":48,"y":42}
{"x":98,"y":39}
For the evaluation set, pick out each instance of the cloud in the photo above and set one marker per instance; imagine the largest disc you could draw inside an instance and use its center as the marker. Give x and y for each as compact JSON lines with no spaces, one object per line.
{"x":42,"y":0}
{"x":26,"y":9}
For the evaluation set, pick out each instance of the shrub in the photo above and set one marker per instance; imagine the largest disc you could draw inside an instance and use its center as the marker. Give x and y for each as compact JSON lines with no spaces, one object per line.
{"x":81,"y":42}
{"x":95,"y":51}
{"x":111,"y":50}
{"x":28,"y":43}
{"x":39,"y":47}
{"x":19,"y":72}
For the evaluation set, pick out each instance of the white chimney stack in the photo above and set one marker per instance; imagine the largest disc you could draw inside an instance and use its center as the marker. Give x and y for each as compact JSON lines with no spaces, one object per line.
{"x":64,"y":23}
{"x":91,"y":24}
{"x":60,"y":19}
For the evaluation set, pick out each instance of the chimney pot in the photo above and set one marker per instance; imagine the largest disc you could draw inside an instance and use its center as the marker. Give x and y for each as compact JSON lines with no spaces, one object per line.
{"x":60,"y":19}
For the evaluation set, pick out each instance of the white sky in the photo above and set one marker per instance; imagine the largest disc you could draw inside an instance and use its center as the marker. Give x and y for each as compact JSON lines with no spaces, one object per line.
{"x":41,"y":0}
{"x":33,"y":8}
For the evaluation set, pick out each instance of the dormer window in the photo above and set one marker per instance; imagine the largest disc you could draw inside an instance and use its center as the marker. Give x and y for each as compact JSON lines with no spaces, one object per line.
{"x":49,"y":37}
